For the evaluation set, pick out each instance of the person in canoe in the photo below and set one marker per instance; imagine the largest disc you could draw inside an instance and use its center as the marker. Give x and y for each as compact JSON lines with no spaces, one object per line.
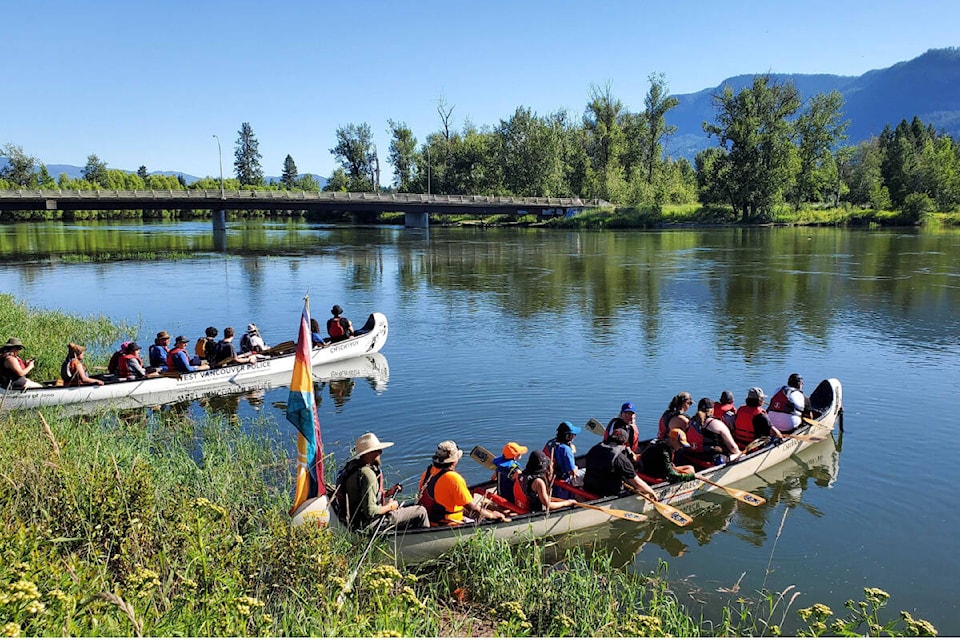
{"x":178,"y":360}
{"x":751,"y":421}
{"x":725,"y":408}
{"x":14,"y":369}
{"x":675,"y":417}
{"x":72,"y":371}
{"x":206,"y":347}
{"x":444,"y":493}
{"x":227,"y":353}
{"x":360,"y":496}
{"x":252,"y":341}
{"x":130,"y":365}
{"x":626,"y":420}
{"x":789,"y":405}
{"x":315,"y":337}
{"x":158,"y":351}
{"x":609,"y":468}
{"x":536,"y":480}
{"x":508,"y":468}
{"x":563,"y":457}
{"x":710,"y":439}
{"x":338,"y":327}
{"x":657,"y":461}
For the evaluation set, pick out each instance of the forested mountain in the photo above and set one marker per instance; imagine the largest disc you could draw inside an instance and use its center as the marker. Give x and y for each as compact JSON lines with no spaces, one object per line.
{"x":927,"y":86}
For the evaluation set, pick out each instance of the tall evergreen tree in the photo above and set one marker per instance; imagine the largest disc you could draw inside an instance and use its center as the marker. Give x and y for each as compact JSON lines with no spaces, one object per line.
{"x":19,"y":169}
{"x":95,"y":170}
{"x":247,"y":157}
{"x":289,"y":177}
{"x":142,"y":172}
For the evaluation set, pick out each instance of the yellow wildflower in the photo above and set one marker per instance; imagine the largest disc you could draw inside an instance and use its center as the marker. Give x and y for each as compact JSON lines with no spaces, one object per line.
{"x":876,"y":596}
{"x":11,"y":630}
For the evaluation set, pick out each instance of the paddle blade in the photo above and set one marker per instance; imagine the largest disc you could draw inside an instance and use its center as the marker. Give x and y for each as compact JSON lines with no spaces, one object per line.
{"x":484,"y":457}
{"x":748,"y":498}
{"x":672,"y":514}
{"x":595,"y":427}
{"x":616,"y":513}
{"x":803,"y":438}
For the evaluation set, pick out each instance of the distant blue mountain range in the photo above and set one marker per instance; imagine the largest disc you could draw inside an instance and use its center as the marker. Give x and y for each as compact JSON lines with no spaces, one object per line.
{"x":77,"y":172}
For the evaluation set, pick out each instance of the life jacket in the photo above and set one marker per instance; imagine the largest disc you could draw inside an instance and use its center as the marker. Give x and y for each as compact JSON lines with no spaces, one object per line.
{"x":507,"y":474}
{"x":663,"y":427}
{"x":724,"y":412}
{"x":700,"y":438}
{"x":123,"y":370}
{"x":633,"y":432}
{"x":68,"y":372}
{"x":530,"y":499}
{"x":335,"y":328}
{"x":114,"y":364}
{"x":600,"y":478}
{"x":223,"y":351}
{"x":172,"y":363}
{"x":743,"y":431}
{"x":246,"y":345}
{"x":8,"y":377}
{"x":781,"y":402}
{"x":437,"y":513}
{"x":341,"y":497}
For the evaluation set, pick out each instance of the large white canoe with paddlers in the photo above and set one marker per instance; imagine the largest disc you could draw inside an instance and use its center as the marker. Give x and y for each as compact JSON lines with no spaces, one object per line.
{"x":181,"y":387}
{"x":414,"y":545}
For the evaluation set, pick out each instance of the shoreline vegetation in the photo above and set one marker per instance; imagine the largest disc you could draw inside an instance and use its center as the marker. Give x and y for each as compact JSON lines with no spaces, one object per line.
{"x":144,"y":523}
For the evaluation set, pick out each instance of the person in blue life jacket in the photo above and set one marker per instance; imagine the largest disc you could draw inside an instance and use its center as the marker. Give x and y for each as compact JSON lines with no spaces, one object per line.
{"x":158,"y":351}
{"x":179,"y":360}
{"x":509,"y":469}
{"x":562,"y":454}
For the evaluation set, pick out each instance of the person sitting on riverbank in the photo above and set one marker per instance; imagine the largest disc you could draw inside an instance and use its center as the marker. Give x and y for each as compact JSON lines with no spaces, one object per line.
{"x":752,"y":422}
{"x":675,"y":417}
{"x":72,"y":371}
{"x":179,"y":361}
{"x":338,"y":327}
{"x":158,"y":351}
{"x":14,"y":369}
{"x":657,"y":460}
{"x":444,"y":493}
{"x":252,"y":341}
{"x":710,"y":439}
{"x":131,"y":366}
{"x":626,"y":420}
{"x":562,"y":455}
{"x":206,"y":347}
{"x":227,"y":353}
{"x":789,"y":405}
{"x":609,"y":468}
{"x":536,"y":480}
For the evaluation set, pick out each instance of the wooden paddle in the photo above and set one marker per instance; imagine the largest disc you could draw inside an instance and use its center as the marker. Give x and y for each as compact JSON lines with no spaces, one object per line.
{"x":672,"y":514}
{"x":278,"y":349}
{"x":743,"y":496}
{"x":816,"y":423}
{"x":484,"y":457}
{"x":596,"y":427}
{"x":802,"y":437}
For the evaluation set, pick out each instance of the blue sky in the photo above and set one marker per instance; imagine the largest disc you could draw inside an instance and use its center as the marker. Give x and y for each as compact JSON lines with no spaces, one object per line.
{"x":141,"y":83}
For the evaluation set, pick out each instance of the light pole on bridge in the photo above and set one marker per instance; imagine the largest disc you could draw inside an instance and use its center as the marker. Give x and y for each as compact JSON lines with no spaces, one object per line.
{"x":220,"y":155}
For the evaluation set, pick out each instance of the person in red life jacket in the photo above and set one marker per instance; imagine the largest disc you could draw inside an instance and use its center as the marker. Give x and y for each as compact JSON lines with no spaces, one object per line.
{"x":158,"y":351}
{"x":609,"y":468}
{"x":362,"y":500}
{"x":675,"y":417}
{"x":536,"y":480}
{"x":178,"y":359}
{"x":657,"y":460}
{"x":130,"y":366}
{"x":72,"y":371}
{"x":508,"y":470}
{"x":338,"y":327}
{"x":444,"y":493}
{"x":725,"y":409}
{"x":14,"y":369}
{"x":751,"y":421}
{"x":710,"y":439}
{"x":115,"y":358}
{"x":626,"y":420}
{"x":789,"y":405}
{"x":562,"y":455}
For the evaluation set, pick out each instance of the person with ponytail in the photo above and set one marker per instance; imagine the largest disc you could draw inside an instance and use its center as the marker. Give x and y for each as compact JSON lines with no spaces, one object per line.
{"x":73,"y":372}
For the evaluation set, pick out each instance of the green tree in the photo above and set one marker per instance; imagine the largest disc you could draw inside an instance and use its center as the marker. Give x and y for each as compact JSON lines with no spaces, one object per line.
{"x":247,"y":157}
{"x":657,"y":102}
{"x":142,"y":172}
{"x":95,"y":171}
{"x":754,"y":127}
{"x":44,"y":179}
{"x":403,"y":147}
{"x":605,"y":142}
{"x":307,"y":182}
{"x":289,"y":177}
{"x":529,"y":150}
{"x":354,"y":151}
{"x":20,"y":167}
{"x":339,"y":181}
{"x":818,"y":128}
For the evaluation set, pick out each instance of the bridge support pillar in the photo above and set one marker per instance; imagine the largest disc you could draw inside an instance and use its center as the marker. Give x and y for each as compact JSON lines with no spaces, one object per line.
{"x":416,"y":220}
{"x":220,"y":220}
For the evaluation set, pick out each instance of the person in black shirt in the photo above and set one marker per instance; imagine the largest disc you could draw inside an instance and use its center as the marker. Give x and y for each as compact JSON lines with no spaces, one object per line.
{"x":608,"y":468}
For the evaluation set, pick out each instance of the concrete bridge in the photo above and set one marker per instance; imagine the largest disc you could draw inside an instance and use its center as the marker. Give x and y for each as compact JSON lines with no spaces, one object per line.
{"x":415,"y":206}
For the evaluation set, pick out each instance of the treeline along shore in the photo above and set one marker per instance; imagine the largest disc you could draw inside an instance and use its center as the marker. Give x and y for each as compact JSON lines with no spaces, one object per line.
{"x":779,"y":157}
{"x":154,"y":523}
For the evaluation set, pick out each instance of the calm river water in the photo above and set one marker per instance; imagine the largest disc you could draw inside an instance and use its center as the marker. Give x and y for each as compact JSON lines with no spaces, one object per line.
{"x":500,"y":334}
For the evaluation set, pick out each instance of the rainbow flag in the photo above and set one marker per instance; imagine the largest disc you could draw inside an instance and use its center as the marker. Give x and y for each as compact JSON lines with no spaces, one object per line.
{"x":302,"y":412}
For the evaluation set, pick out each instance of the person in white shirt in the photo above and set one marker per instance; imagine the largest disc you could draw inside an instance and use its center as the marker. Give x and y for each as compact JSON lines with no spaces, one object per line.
{"x":789,"y":405}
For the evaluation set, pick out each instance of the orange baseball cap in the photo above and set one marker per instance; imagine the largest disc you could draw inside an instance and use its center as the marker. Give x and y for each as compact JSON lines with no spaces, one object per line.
{"x":512,"y":450}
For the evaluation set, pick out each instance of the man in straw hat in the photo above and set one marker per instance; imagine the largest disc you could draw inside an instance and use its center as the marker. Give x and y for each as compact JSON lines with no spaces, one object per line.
{"x":444,"y":492}
{"x":361,"y":499}
{"x":14,"y":369}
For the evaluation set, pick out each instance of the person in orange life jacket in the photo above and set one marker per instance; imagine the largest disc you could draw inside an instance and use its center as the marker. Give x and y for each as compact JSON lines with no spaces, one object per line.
{"x":338,"y":327}
{"x":444,"y":493}
{"x":609,"y":468}
{"x":675,"y":417}
{"x":509,"y":469}
{"x":536,"y":480}
{"x":626,"y":420}
{"x":130,"y":366}
{"x":789,"y":404}
{"x":657,"y":460}
{"x":14,"y":369}
{"x":362,"y":490}
{"x":72,"y":371}
{"x":227,"y":352}
{"x":178,"y":360}
{"x":751,"y":421}
{"x":709,"y":437}
{"x":206,"y":347}
{"x":725,"y":409}
{"x":158,"y":351}
{"x":563,"y":457}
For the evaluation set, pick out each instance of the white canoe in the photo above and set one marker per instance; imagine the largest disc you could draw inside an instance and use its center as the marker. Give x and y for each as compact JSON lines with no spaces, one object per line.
{"x":420,"y":544}
{"x":169,"y":388}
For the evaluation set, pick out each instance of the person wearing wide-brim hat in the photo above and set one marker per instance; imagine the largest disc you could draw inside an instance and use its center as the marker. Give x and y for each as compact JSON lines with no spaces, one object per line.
{"x":444,"y":492}
{"x":338,"y":327}
{"x":362,"y":502}
{"x":14,"y":369}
